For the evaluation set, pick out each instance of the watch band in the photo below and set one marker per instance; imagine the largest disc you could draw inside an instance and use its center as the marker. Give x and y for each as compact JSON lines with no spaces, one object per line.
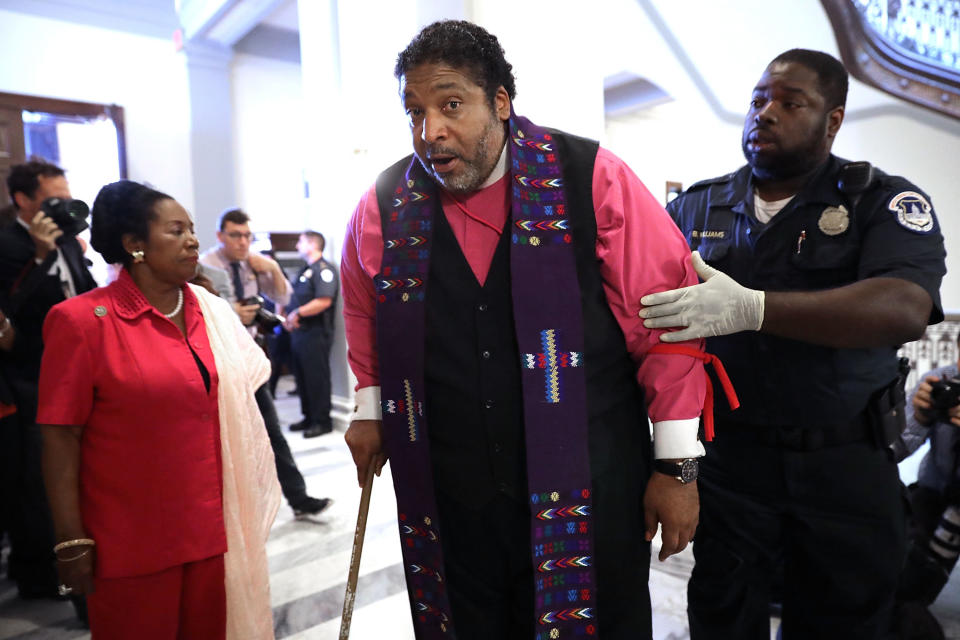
{"x":685,"y":471}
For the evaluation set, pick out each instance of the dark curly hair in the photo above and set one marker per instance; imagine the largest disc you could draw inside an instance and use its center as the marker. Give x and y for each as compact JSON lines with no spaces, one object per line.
{"x":832,"y":77}
{"x":120,"y":208}
{"x":462,"y":45}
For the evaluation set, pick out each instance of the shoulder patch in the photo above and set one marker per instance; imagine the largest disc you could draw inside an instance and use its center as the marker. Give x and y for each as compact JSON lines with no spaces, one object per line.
{"x":327,"y":275}
{"x":913,"y":211}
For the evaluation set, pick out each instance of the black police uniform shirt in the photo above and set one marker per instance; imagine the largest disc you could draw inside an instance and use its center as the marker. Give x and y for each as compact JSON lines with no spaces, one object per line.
{"x":317,"y":280}
{"x":822,"y":239}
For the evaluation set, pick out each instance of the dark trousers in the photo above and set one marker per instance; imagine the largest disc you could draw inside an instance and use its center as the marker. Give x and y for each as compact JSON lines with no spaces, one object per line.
{"x":29,"y":523}
{"x":311,"y":357}
{"x":832,"y":518}
{"x":489,"y":571}
{"x":487,"y":550}
{"x":278,"y":347}
{"x":291,"y":480}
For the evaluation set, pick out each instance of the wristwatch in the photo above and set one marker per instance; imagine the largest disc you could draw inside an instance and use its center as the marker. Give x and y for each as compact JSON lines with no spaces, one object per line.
{"x":685,"y":471}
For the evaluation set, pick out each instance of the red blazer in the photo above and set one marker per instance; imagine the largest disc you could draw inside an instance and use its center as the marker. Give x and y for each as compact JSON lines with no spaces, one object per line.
{"x":150,"y":474}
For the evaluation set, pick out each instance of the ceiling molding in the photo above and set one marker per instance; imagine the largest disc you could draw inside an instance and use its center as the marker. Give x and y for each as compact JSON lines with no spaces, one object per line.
{"x":224,"y":21}
{"x":904,"y":110}
{"x":267,"y":41}
{"x":152,"y":18}
{"x":673,"y":43}
{"x":625,"y":92}
{"x":207,"y":55}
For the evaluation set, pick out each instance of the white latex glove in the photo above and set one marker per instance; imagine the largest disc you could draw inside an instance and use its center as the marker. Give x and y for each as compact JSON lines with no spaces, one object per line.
{"x":717,"y":307}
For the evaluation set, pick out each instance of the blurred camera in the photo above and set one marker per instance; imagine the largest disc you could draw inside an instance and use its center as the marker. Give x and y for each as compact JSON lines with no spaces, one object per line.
{"x":68,"y":214}
{"x":944,"y":395}
{"x":265,"y":319}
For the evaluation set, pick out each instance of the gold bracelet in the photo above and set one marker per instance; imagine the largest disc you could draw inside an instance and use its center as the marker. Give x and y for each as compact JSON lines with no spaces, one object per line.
{"x":76,"y":557}
{"x":77,"y":542}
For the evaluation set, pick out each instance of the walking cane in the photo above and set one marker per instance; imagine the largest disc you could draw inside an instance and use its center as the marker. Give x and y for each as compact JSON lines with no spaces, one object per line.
{"x":351,"y":593}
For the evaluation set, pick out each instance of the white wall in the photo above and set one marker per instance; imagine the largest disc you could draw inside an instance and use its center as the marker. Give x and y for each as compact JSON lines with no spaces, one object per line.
{"x":269,"y":150}
{"x":144,"y":75}
{"x":689,"y":139}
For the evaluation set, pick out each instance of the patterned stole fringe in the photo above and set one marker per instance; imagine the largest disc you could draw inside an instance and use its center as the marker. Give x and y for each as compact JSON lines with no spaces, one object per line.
{"x":549,"y":325}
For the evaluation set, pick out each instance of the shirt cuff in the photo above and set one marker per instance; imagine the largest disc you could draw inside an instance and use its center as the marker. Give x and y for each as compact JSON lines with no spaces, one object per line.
{"x":677,"y":439}
{"x":367,"y":404}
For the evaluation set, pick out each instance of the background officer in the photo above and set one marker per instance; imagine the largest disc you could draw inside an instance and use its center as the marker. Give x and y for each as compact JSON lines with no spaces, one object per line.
{"x":822,"y":270}
{"x":310,"y":320}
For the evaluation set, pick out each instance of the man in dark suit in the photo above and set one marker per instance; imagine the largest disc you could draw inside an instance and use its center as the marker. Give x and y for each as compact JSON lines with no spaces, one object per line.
{"x":39,"y":267}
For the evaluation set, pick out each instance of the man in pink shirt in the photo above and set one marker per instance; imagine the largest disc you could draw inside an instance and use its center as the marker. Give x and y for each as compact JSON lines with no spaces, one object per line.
{"x":491,"y":288}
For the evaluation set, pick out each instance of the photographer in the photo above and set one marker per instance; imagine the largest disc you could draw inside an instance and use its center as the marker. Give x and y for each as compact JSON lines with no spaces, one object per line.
{"x":41,"y":264}
{"x":252,"y":276}
{"x":933,"y":412}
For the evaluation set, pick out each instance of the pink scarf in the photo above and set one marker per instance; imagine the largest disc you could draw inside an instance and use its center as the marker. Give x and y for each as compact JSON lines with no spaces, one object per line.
{"x":251,"y":492}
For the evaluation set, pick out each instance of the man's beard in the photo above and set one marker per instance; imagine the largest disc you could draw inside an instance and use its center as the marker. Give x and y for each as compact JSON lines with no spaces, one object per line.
{"x":473,"y":171}
{"x":784,"y":165}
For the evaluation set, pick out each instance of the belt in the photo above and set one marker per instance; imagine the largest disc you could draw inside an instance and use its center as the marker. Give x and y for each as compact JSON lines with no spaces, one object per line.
{"x":797,"y":438}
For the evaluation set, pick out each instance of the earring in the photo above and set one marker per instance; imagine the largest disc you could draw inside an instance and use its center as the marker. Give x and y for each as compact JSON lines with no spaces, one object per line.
{"x":137,"y":255}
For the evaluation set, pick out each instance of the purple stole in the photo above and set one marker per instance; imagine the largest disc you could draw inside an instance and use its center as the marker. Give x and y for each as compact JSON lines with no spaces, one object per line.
{"x":549,"y":327}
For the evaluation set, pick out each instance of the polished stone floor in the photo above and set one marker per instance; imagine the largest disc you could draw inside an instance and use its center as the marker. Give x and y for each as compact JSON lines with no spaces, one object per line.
{"x":309,"y":562}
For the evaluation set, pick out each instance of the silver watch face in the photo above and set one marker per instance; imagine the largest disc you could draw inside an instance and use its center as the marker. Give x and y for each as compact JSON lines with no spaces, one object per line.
{"x":689,"y":469}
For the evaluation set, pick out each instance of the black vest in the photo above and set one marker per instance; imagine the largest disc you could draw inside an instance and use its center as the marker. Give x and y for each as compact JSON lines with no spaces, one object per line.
{"x":474,"y":403}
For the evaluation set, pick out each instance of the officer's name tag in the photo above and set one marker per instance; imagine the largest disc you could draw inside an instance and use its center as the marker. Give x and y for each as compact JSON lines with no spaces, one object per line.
{"x":708,"y":233}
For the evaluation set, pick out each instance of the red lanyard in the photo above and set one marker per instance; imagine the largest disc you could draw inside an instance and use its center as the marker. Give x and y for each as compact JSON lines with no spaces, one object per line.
{"x":472,"y":216}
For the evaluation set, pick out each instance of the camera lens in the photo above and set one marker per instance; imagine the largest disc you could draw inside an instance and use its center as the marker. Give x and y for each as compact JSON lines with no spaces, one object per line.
{"x":77,"y":209}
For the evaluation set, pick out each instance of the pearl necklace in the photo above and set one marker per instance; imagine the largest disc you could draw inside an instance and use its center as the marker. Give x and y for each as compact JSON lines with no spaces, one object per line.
{"x":176,"y":309}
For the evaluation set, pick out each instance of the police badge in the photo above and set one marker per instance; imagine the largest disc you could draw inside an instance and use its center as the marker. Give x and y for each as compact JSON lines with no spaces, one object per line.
{"x":913,"y":211}
{"x":834,"y":220}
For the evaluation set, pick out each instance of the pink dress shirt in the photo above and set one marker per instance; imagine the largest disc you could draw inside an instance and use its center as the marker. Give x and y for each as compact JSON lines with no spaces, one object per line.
{"x":639,"y":251}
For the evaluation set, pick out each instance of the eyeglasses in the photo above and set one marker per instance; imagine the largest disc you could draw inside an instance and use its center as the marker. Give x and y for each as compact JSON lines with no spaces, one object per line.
{"x":239,"y":235}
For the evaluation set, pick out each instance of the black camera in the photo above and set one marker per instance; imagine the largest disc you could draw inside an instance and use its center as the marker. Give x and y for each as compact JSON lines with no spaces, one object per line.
{"x":68,"y":214}
{"x":944,"y":395}
{"x":265,"y":319}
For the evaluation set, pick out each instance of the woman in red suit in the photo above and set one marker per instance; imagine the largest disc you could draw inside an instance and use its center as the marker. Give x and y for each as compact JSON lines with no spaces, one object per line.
{"x":159,"y":473}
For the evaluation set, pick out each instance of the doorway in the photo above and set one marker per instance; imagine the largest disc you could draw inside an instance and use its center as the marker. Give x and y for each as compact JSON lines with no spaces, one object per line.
{"x":85,"y":139}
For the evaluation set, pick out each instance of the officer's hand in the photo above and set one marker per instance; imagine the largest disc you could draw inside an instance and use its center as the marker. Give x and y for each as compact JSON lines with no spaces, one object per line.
{"x":77,"y":574}
{"x":44,"y":232}
{"x":293,"y":321}
{"x":717,"y":307}
{"x":247,"y":312}
{"x":365,"y":439}
{"x":676,"y":507}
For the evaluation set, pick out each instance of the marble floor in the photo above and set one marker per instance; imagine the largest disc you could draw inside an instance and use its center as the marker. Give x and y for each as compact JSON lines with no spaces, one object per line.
{"x":309,"y":562}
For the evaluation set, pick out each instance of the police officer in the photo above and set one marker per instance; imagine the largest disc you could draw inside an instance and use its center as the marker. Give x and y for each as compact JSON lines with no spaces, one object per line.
{"x":822,"y":268}
{"x":310,"y":321}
